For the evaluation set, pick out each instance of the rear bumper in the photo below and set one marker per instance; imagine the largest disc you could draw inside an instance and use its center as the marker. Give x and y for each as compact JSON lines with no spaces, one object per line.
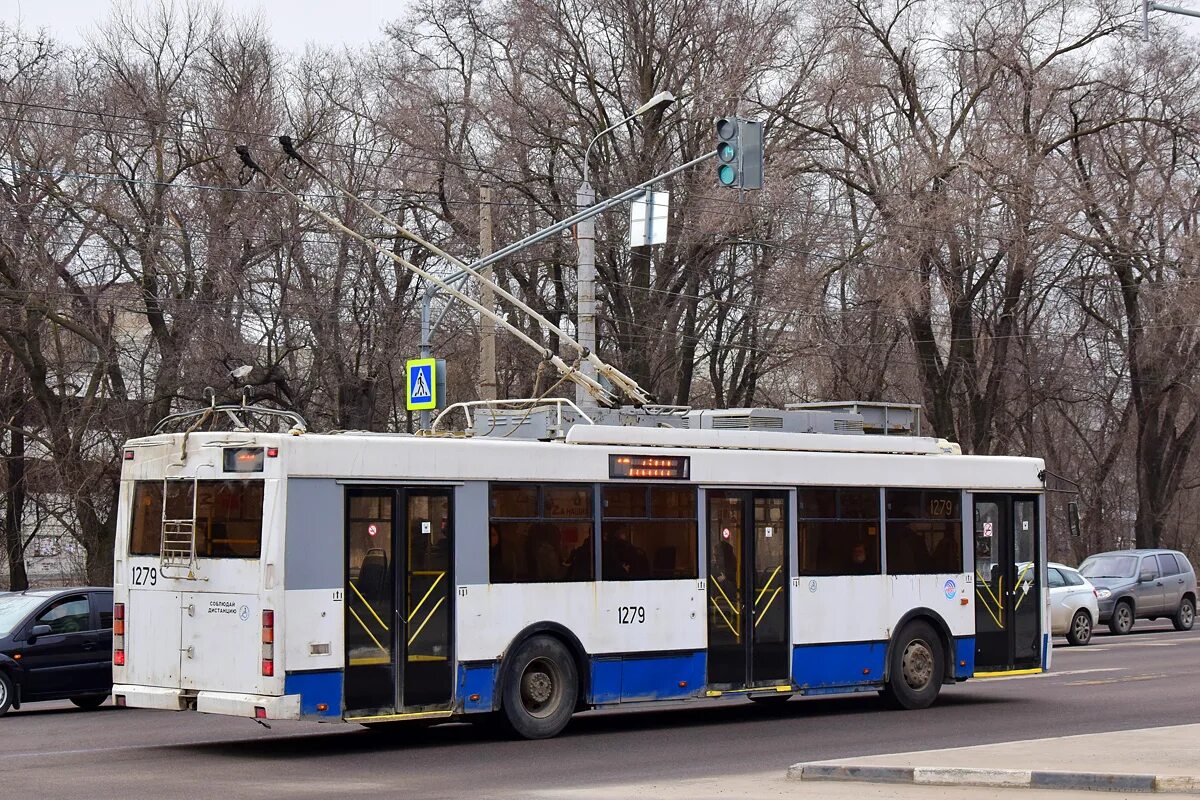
{"x":228,"y":703}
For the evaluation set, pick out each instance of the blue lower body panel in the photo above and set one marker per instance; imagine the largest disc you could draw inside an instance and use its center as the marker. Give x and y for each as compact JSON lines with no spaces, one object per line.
{"x":964,"y":656}
{"x":821,"y":666}
{"x":477,"y":686}
{"x":647,"y":677}
{"x":316,"y":688}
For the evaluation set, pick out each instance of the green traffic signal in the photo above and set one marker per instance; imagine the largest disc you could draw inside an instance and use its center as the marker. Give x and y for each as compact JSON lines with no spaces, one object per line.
{"x":739,"y":151}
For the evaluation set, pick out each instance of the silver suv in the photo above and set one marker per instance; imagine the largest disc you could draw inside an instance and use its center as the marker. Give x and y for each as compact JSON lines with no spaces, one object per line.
{"x":1142,"y":584}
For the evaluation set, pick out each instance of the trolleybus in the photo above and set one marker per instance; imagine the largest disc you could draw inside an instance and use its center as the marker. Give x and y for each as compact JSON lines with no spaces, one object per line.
{"x":533,"y":573}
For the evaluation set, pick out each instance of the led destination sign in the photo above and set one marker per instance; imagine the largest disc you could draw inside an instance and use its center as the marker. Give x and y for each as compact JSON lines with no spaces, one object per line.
{"x":652,"y":467}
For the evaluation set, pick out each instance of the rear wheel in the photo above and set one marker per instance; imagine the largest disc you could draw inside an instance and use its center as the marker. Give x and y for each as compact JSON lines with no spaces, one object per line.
{"x":541,"y":688}
{"x":89,"y":701}
{"x":1122,"y":618}
{"x":1080,"y":632}
{"x":6,"y":693}
{"x":916,"y":667}
{"x":1185,"y":617}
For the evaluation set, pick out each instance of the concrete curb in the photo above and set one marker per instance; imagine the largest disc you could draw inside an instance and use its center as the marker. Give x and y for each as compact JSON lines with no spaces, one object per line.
{"x":996,"y":778}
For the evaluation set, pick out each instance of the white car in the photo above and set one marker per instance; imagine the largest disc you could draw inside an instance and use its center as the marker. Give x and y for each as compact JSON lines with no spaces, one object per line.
{"x":1074,"y":604}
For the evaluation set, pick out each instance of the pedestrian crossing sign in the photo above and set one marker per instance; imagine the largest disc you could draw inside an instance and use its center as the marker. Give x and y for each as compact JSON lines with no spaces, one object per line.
{"x":422,"y":384}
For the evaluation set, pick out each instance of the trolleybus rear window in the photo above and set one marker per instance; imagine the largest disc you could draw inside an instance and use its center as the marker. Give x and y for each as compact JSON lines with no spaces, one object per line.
{"x":228,"y":516}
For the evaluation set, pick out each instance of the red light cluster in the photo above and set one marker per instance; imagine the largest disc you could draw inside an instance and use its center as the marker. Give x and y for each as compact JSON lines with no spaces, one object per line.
{"x":118,"y":634}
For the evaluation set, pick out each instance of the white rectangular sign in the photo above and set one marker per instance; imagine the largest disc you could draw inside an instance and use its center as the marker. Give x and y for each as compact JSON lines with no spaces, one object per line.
{"x":648,"y":229}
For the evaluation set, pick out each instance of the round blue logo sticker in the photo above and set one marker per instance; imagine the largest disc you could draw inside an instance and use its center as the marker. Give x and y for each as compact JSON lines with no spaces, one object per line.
{"x":951,"y":589}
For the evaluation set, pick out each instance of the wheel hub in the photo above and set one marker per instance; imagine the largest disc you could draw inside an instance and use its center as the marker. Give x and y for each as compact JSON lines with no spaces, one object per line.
{"x":537,"y":688}
{"x":917,"y":664}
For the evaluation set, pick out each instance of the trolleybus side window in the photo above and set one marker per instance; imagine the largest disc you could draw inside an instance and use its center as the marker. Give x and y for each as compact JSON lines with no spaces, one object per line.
{"x":228,"y":516}
{"x":924,"y":532}
{"x":838,"y":531}
{"x":648,"y":532}
{"x":541,"y":533}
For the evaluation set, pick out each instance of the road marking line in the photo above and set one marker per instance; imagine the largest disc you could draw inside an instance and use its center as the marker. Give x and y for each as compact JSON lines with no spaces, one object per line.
{"x":1064,"y":673}
{"x":1105,"y":681}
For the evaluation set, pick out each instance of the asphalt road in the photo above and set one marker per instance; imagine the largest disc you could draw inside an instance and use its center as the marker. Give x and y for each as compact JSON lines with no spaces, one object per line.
{"x":1147,"y":679}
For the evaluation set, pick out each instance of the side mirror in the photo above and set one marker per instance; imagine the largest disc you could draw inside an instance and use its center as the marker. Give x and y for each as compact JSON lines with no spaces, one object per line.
{"x":1146,"y":577}
{"x":39,"y":630}
{"x":1073,"y":518}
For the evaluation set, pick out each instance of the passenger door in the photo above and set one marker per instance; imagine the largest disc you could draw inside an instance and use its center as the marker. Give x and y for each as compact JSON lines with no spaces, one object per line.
{"x":1148,"y":594}
{"x":398,"y":613}
{"x":62,"y":660}
{"x":1008,"y":608}
{"x":1060,"y":600}
{"x":100,"y":670}
{"x":1172,"y":580}
{"x":749,"y":643}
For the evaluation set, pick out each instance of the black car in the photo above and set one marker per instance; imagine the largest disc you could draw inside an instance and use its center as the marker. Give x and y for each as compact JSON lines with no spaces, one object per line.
{"x":56,"y":644}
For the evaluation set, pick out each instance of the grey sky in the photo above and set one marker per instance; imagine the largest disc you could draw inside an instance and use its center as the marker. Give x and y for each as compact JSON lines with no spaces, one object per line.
{"x":293,"y":23}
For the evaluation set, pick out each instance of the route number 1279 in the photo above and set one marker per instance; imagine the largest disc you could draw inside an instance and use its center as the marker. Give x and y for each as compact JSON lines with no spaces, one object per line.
{"x":629,"y":615}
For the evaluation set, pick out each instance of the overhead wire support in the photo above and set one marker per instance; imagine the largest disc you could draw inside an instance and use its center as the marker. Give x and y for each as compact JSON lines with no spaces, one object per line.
{"x":626,"y":384}
{"x":602,"y":395}
{"x":623,"y":382}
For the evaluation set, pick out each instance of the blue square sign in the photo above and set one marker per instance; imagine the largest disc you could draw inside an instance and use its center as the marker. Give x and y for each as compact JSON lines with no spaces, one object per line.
{"x":422,"y":384}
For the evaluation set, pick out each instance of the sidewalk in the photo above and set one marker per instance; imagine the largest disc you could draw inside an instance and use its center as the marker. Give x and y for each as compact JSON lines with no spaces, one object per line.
{"x":1132,"y":762}
{"x":1165,"y":759}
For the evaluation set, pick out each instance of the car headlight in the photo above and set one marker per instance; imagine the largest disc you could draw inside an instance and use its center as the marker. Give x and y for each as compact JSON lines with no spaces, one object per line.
{"x":1103,"y":594}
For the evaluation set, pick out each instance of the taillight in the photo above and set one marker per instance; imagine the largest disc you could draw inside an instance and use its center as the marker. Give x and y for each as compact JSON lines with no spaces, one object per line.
{"x":268,"y":643}
{"x":118,"y":634}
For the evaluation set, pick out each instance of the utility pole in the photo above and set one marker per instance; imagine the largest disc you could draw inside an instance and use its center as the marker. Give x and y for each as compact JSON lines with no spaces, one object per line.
{"x":585,"y":235}
{"x":1149,"y":5}
{"x":487,"y":297}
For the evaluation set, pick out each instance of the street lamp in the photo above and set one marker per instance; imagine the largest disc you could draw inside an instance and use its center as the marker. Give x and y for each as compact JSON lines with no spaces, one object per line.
{"x":586,"y":236}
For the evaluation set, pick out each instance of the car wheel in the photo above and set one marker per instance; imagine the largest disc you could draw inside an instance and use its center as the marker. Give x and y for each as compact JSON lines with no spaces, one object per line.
{"x":1185,"y":617}
{"x":1122,"y":618}
{"x":6,"y":693}
{"x":541,"y":688}
{"x":1080,"y":632}
{"x":916,"y":667}
{"x":89,"y":701}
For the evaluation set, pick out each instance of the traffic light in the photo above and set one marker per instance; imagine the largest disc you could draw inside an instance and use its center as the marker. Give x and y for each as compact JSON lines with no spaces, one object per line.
{"x":739,"y":153}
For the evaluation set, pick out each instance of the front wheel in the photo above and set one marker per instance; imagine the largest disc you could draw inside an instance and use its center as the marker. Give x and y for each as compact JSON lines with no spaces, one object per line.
{"x":1122,"y":618}
{"x":1185,"y":617}
{"x":916,"y":667}
{"x":90,"y":701}
{"x":541,"y":688}
{"x":1081,"y":628}
{"x":6,"y":693}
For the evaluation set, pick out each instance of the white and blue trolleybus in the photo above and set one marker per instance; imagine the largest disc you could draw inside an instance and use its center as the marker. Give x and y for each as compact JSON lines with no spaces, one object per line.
{"x":541,"y":563}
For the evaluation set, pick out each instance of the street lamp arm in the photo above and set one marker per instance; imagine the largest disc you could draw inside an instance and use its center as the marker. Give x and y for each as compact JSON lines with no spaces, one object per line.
{"x":587,"y":153}
{"x":660,"y":100}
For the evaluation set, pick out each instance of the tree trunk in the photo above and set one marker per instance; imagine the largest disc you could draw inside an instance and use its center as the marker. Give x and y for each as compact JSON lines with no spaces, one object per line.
{"x":14,"y":510}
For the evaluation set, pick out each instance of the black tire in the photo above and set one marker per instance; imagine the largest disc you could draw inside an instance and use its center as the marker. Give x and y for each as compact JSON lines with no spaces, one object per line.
{"x":916,"y":667}
{"x":1080,"y":632}
{"x":89,"y":701}
{"x":1121,"y":622}
{"x":1185,"y":617}
{"x":7,"y":692}
{"x":541,"y":687}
